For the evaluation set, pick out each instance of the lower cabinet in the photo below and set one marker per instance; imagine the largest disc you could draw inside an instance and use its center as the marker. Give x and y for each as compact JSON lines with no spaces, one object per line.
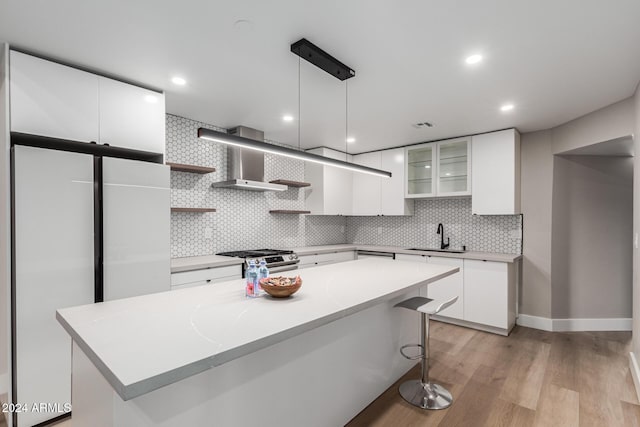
{"x":189,"y":279}
{"x":490,"y":293}
{"x":486,"y":291}
{"x":313,"y":260}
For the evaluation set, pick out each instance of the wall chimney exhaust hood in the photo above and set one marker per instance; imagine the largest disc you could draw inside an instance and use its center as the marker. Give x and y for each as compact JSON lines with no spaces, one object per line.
{"x":245,"y":167}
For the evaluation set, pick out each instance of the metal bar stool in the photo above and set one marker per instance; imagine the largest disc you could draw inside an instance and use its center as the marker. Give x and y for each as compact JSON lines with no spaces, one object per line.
{"x":423,"y":393}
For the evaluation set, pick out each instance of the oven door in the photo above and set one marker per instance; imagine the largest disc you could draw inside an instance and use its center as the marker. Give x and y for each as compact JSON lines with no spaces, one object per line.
{"x":281,"y":268}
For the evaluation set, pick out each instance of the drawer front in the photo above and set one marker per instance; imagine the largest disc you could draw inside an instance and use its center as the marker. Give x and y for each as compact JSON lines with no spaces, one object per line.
{"x":229,"y":272}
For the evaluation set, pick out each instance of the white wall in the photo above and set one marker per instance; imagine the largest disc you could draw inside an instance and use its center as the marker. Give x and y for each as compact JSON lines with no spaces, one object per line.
{"x":636,"y":228}
{"x":591,"y":237}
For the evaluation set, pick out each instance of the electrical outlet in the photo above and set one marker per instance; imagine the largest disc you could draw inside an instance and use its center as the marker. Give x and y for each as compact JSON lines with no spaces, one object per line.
{"x":208,"y":233}
{"x":379,"y":231}
{"x":342,"y":229}
{"x":514,"y":234}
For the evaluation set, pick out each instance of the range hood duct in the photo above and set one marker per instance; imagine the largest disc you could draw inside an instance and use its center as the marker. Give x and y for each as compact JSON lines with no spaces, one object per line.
{"x":245,"y":167}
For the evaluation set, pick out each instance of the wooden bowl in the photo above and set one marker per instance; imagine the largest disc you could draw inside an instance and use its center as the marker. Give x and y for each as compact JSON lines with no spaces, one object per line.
{"x":277,"y":291}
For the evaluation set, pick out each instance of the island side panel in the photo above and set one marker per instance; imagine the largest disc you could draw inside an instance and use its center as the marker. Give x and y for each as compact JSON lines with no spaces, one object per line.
{"x":322,"y":377}
{"x":92,"y":397}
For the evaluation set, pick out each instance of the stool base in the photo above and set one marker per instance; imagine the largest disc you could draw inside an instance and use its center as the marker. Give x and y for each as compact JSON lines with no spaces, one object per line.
{"x":425,"y":395}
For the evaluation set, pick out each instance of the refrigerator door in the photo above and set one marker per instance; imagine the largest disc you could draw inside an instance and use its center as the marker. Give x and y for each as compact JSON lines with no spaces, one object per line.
{"x":136,"y":226}
{"x":54,"y":269}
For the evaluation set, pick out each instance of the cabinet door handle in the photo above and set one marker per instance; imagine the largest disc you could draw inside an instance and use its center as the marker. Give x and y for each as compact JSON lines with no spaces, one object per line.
{"x":208,"y":280}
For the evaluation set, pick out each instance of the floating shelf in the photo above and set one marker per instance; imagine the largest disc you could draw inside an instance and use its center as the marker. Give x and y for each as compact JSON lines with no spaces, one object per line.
{"x":196,"y":210}
{"x":285,"y":211}
{"x":288,"y":183}
{"x":190,"y":168}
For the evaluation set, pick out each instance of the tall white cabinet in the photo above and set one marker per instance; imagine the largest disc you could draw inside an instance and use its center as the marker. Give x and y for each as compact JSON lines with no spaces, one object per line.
{"x":496,"y":173}
{"x":58,"y":101}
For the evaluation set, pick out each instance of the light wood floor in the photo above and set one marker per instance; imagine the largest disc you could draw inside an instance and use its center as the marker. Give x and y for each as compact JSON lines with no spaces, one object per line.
{"x":531,"y":378}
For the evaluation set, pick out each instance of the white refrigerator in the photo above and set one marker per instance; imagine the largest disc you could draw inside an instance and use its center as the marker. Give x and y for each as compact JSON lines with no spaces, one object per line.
{"x":86,"y":228}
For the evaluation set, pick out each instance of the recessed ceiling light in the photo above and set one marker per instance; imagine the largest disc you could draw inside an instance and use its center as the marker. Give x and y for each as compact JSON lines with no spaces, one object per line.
{"x":287,"y":118}
{"x":507,"y":107}
{"x":178,"y":81}
{"x":151,"y":99}
{"x":473,"y":59}
{"x":351,"y":140}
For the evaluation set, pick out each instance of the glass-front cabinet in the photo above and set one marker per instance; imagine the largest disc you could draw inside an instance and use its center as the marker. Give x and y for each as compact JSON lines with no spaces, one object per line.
{"x":439,"y":169}
{"x":421,"y":171}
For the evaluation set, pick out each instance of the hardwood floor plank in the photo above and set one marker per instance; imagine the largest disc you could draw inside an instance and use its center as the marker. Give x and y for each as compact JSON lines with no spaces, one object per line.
{"x":507,"y":414}
{"x":557,"y":407}
{"x":531,"y":378}
{"x":631,"y":414}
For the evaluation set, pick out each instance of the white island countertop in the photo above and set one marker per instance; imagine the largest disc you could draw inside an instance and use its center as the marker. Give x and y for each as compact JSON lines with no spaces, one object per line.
{"x":143,"y":343}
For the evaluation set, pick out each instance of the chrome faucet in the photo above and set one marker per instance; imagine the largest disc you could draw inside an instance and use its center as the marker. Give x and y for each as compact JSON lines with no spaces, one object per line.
{"x":440,"y":231}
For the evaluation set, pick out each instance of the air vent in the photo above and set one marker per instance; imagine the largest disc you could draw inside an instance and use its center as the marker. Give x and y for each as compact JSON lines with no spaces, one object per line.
{"x":423,"y":125}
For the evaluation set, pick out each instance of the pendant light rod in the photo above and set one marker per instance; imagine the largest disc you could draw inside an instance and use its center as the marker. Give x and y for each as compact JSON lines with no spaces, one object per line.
{"x":238,"y":141}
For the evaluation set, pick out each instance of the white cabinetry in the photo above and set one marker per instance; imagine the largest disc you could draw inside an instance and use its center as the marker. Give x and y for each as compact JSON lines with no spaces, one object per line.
{"x":58,"y":101}
{"x":489,"y":293}
{"x":439,"y":169}
{"x":449,"y":287}
{"x":131,"y":117}
{"x":366,"y":187}
{"x":52,"y":99}
{"x":496,"y":173}
{"x":189,"y":279}
{"x":330,"y":192}
{"x":374,"y":195}
{"x":486,"y":292}
{"x":313,"y":260}
{"x":392,"y":200}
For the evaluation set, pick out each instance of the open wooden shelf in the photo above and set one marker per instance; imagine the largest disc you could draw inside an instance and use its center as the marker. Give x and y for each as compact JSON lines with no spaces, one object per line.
{"x":196,"y":210}
{"x":190,"y":168}
{"x":290,"y":183}
{"x":286,"y":211}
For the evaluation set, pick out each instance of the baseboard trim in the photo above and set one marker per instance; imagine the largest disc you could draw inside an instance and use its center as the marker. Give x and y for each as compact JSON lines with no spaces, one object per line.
{"x":535,"y":322}
{"x":574,"y":325}
{"x":635,"y":373}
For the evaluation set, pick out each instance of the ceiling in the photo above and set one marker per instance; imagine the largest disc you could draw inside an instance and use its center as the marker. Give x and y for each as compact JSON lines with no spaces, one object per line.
{"x":554,"y":60}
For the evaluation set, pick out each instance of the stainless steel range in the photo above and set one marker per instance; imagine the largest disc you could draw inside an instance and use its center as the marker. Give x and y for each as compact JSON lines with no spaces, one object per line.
{"x":277,"y":260}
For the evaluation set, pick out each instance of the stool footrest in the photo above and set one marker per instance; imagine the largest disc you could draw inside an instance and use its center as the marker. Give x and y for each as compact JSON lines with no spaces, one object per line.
{"x":416,"y":357}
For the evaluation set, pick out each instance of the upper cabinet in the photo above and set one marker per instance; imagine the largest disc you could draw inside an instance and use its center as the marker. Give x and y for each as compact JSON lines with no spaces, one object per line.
{"x":131,"y":117}
{"x":438,"y":169}
{"x":373,"y":195}
{"x":58,"y":101}
{"x":496,"y":173}
{"x":52,"y":100}
{"x":331,"y":187}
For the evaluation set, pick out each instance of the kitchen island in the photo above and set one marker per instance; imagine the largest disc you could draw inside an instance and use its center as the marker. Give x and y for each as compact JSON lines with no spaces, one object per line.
{"x":209,"y":356}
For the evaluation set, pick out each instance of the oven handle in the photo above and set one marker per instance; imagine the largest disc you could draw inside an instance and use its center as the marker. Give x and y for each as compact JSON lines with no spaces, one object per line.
{"x":283,"y":268}
{"x":282,"y":263}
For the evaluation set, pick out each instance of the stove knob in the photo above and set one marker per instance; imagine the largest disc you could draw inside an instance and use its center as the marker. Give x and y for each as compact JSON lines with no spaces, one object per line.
{"x":295,"y":256}
{"x":290,"y":256}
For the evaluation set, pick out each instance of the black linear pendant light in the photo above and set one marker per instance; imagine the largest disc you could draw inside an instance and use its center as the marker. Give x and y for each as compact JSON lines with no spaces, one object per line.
{"x":321,"y":59}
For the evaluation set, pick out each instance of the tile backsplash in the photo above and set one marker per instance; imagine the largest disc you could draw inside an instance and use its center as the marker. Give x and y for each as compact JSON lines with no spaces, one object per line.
{"x":243,"y":221}
{"x":498,"y":233}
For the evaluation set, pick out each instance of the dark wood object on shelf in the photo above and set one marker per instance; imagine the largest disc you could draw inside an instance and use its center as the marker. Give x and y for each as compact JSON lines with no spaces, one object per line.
{"x":196,"y":210}
{"x":190,"y":168}
{"x":290,"y":183}
{"x":286,"y":211}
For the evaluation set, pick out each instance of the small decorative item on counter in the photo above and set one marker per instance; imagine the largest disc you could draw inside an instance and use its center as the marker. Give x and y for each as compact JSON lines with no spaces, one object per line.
{"x":263,"y":272}
{"x":252,"y":289}
{"x":281,"y":287}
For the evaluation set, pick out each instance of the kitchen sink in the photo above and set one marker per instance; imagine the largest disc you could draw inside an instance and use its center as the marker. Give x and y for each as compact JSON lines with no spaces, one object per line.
{"x":451,"y":251}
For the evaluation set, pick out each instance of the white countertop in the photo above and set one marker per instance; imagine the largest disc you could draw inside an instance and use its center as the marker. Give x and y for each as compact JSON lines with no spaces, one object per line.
{"x":213,"y":261}
{"x":143,"y":343}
